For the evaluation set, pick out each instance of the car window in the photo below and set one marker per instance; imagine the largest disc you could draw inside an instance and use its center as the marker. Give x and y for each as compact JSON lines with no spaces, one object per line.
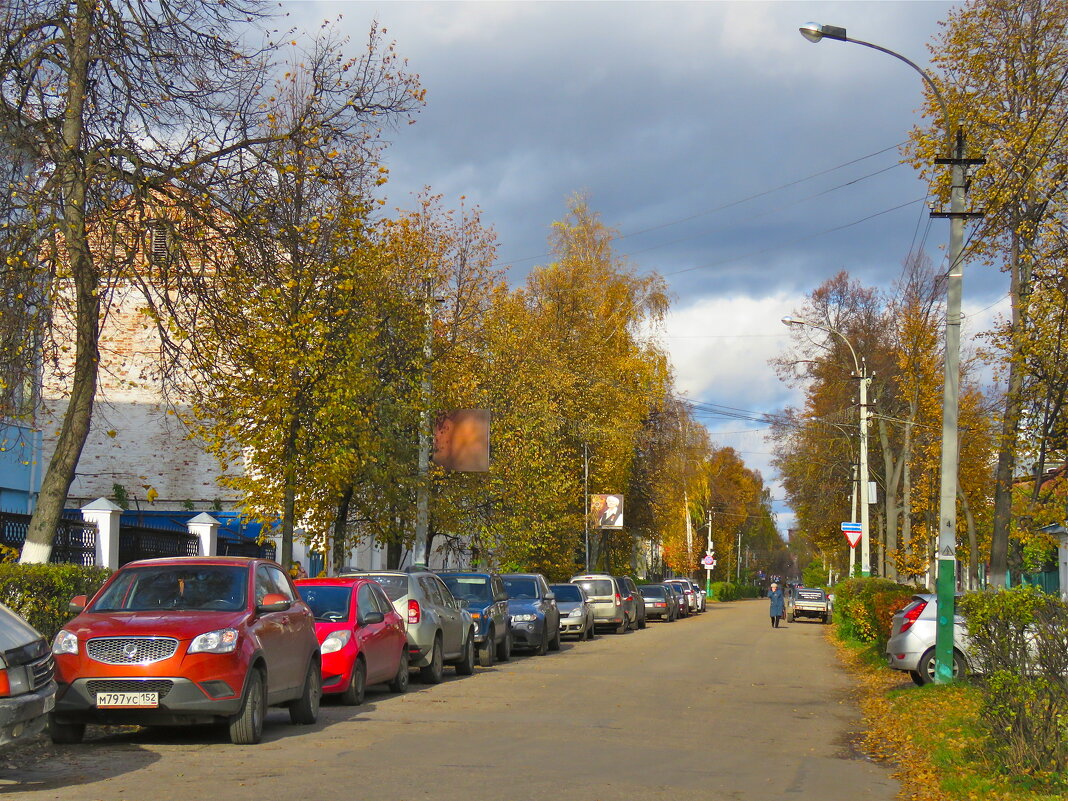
{"x":567,"y":592}
{"x":365,"y":600}
{"x":431,"y":591}
{"x":281,"y":583}
{"x":447,"y":598}
{"x":498,"y":587}
{"x":596,"y":587}
{"x":384,"y":604}
{"x":469,"y":588}
{"x":524,"y":589}
{"x":651,"y":592}
{"x":327,"y":603}
{"x":395,"y":586}
{"x":191,"y":587}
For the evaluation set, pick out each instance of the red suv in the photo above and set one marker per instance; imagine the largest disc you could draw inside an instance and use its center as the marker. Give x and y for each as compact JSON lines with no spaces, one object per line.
{"x":187,"y":640}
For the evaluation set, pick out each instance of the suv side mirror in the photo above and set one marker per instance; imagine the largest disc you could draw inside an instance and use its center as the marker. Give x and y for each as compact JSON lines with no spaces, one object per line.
{"x":550,"y":596}
{"x":370,"y":618}
{"x":77,"y":604}
{"x":273,"y":602}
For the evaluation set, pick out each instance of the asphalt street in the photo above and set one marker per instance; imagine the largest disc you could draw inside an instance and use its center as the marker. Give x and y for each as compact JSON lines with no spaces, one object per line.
{"x":720,"y":706}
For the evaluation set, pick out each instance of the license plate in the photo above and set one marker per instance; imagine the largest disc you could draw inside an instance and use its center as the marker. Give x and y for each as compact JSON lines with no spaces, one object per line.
{"x":127,"y":699}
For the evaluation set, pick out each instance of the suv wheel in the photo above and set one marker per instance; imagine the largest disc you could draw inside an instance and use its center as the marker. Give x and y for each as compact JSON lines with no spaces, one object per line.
{"x":400,"y":681}
{"x":622,"y":627}
{"x":641,"y":623}
{"x":554,"y":643}
{"x":434,"y":672}
{"x":354,"y":693}
{"x":543,"y":644}
{"x":927,"y":666}
{"x":487,"y":653}
{"x":246,"y":727}
{"x":65,"y":733}
{"x":504,"y":650}
{"x":466,"y":665}
{"x":305,"y":710}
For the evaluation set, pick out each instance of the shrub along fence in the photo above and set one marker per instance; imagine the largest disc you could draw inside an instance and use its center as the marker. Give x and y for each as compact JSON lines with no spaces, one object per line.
{"x":41,"y":593}
{"x":864,"y":607}
{"x":1018,"y":650}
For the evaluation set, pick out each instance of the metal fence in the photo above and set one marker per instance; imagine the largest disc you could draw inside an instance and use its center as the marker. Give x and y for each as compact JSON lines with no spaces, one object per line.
{"x":74,"y":542}
{"x":251,"y":548}
{"x":139,"y":542}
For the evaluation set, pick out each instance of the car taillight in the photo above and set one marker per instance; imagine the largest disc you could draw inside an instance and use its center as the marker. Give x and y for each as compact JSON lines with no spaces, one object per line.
{"x":414,"y":613}
{"x":619,"y":600}
{"x":912,"y":614}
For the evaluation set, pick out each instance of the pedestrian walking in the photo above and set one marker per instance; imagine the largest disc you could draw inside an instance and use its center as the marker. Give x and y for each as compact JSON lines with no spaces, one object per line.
{"x":778,"y":604}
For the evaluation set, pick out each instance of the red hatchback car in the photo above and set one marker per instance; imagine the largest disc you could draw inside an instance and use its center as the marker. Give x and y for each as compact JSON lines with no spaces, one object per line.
{"x":361,"y":636}
{"x":187,"y":640}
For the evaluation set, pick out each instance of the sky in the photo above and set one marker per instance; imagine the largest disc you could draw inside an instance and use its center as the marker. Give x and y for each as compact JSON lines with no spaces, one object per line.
{"x":735,"y":158}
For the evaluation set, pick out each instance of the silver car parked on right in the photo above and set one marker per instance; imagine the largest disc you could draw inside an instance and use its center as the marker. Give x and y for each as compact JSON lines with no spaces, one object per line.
{"x":440,"y":631}
{"x":607,"y":596}
{"x":911,"y":646}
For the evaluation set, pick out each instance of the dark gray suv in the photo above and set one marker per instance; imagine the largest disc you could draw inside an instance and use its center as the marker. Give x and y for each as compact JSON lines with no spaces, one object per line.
{"x":26,"y":661}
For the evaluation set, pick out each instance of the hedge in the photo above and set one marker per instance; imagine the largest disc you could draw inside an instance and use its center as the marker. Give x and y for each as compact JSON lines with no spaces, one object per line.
{"x":41,"y":593}
{"x":729,"y":591}
{"x":864,"y":607}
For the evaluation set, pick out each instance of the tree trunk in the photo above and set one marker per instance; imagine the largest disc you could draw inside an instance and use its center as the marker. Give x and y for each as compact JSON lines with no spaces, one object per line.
{"x":340,"y":539}
{"x":289,"y":492}
{"x":892,"y":473}
{"x":75,"y":428}
{"x":1010,"y":422}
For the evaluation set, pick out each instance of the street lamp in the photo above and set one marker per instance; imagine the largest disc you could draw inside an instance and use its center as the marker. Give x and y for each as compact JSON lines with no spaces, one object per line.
{"x":861,"y":372}
{"x":947,"y":531}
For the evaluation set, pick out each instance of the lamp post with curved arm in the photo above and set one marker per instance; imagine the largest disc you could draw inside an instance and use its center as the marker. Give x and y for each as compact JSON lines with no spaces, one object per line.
{"x":861,"y":373}
{"x":947,"y":508}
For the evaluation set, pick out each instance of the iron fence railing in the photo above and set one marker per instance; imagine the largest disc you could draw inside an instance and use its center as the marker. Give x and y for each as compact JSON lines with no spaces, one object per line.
{"x":74,"y":542}
{"x":140,"y":542}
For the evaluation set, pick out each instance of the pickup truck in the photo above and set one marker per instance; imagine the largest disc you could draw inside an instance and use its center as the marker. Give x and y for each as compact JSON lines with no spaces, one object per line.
{"x":808,"y":602}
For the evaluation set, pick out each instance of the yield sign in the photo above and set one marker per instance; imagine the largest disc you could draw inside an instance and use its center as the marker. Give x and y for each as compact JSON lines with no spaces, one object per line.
{"x":853,"y":533}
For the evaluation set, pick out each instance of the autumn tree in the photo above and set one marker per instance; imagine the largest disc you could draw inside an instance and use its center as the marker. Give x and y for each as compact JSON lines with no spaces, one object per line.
{"x":1002,"y":68}
{"x":108,"y":100}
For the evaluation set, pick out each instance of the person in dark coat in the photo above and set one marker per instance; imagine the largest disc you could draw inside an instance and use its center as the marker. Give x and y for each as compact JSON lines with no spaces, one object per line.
{"x":778,"y":604}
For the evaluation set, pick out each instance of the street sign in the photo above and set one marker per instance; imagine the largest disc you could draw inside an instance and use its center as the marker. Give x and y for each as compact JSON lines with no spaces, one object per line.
{"x":709,"y":562}
{"x":853,"y":532}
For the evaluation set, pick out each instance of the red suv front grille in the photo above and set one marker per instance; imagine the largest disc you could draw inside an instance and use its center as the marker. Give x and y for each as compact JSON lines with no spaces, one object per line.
{"x":131,"y":650}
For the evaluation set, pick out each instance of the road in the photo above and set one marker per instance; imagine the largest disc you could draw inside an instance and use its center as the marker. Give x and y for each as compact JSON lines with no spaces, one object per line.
{"x":720,"y":706}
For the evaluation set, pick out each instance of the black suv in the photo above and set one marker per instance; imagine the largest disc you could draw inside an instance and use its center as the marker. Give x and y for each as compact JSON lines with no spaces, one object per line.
{"x":483,"y":595}
{"x":636,"y":598}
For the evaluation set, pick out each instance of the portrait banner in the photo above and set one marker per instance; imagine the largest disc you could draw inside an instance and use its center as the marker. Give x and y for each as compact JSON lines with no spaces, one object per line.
{"x":462,"y":440}
{"x":607,"y":510}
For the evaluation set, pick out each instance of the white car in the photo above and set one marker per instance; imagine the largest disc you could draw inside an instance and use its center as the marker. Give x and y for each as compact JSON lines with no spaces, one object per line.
{"x":911,"y":646}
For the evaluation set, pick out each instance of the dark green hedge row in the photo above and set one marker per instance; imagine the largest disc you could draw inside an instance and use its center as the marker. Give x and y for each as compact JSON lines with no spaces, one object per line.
{"x":729,"y":591}
{"x":41,"y":593}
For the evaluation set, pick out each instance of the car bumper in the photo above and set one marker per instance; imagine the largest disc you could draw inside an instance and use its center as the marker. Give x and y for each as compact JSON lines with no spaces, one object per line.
{"x":337,"y":671}
{"x":572,"y":625}
{"x":183,"y":701}
{"x":25,"y":716}
{"x":657,"y":613}
{"x":527,"y":634}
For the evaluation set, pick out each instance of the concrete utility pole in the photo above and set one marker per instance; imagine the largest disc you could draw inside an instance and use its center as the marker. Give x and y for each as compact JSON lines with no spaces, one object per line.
{"x":853,"y":517}
{"x":946,"y":581}
{"x":586,"y":501}
{"x":422,"y":492}
{"x":865,"y":500}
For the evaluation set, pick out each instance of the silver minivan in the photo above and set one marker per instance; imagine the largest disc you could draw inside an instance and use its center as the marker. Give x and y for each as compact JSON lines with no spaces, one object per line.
{"x":440,"y":630}
{"x":607,"y":598}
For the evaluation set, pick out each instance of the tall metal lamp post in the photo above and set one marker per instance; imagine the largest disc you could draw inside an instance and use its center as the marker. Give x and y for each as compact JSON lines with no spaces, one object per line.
{"x":861,"y":373}
{"x":947,"y":530}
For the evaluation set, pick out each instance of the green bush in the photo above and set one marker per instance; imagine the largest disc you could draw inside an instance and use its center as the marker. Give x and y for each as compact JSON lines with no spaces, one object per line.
{"x":724,"y":591}
{"x":749,"y":591}
{"x":1018,"y":649}
{"x":864,"y":607}
{"x":41,"y":593}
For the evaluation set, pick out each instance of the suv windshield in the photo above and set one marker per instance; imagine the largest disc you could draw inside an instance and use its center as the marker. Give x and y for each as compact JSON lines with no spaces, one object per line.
{"x":191,"y":587}
{"x":469,"y":588}
{"x":521,"y":588}
{"x":327,"y":603}
{"x":566,"y":592}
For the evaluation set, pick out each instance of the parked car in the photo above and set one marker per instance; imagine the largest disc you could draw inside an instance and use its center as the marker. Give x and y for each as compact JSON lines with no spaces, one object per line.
{"x":484,"y":596}
{"x":440,"y":631}
{"x":27,"y":679}
{"x":361,"y":636}
{"x":535,"y":618}
{"x":911,"y":646}
{"x":808,"y":602}
{"x":607,"y":597}
{"x":576,"y":611}
{"x":659,"y":602}
{"x":687,"y":604}
{"x":694,"y":596}
{"x":636,"y":600}
{"x":681,"y":609}
{"x":188,"y":640}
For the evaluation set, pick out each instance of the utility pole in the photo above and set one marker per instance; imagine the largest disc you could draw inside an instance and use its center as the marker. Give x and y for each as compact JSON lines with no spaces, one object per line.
{"x":708,"y":552}
{"x":853,"y":517}
{"x":586,"y":495}
{"x":422,"y":492}
{"x":946,"y":582}
{"x":738,"y":559}
{"x":865,"y":540}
